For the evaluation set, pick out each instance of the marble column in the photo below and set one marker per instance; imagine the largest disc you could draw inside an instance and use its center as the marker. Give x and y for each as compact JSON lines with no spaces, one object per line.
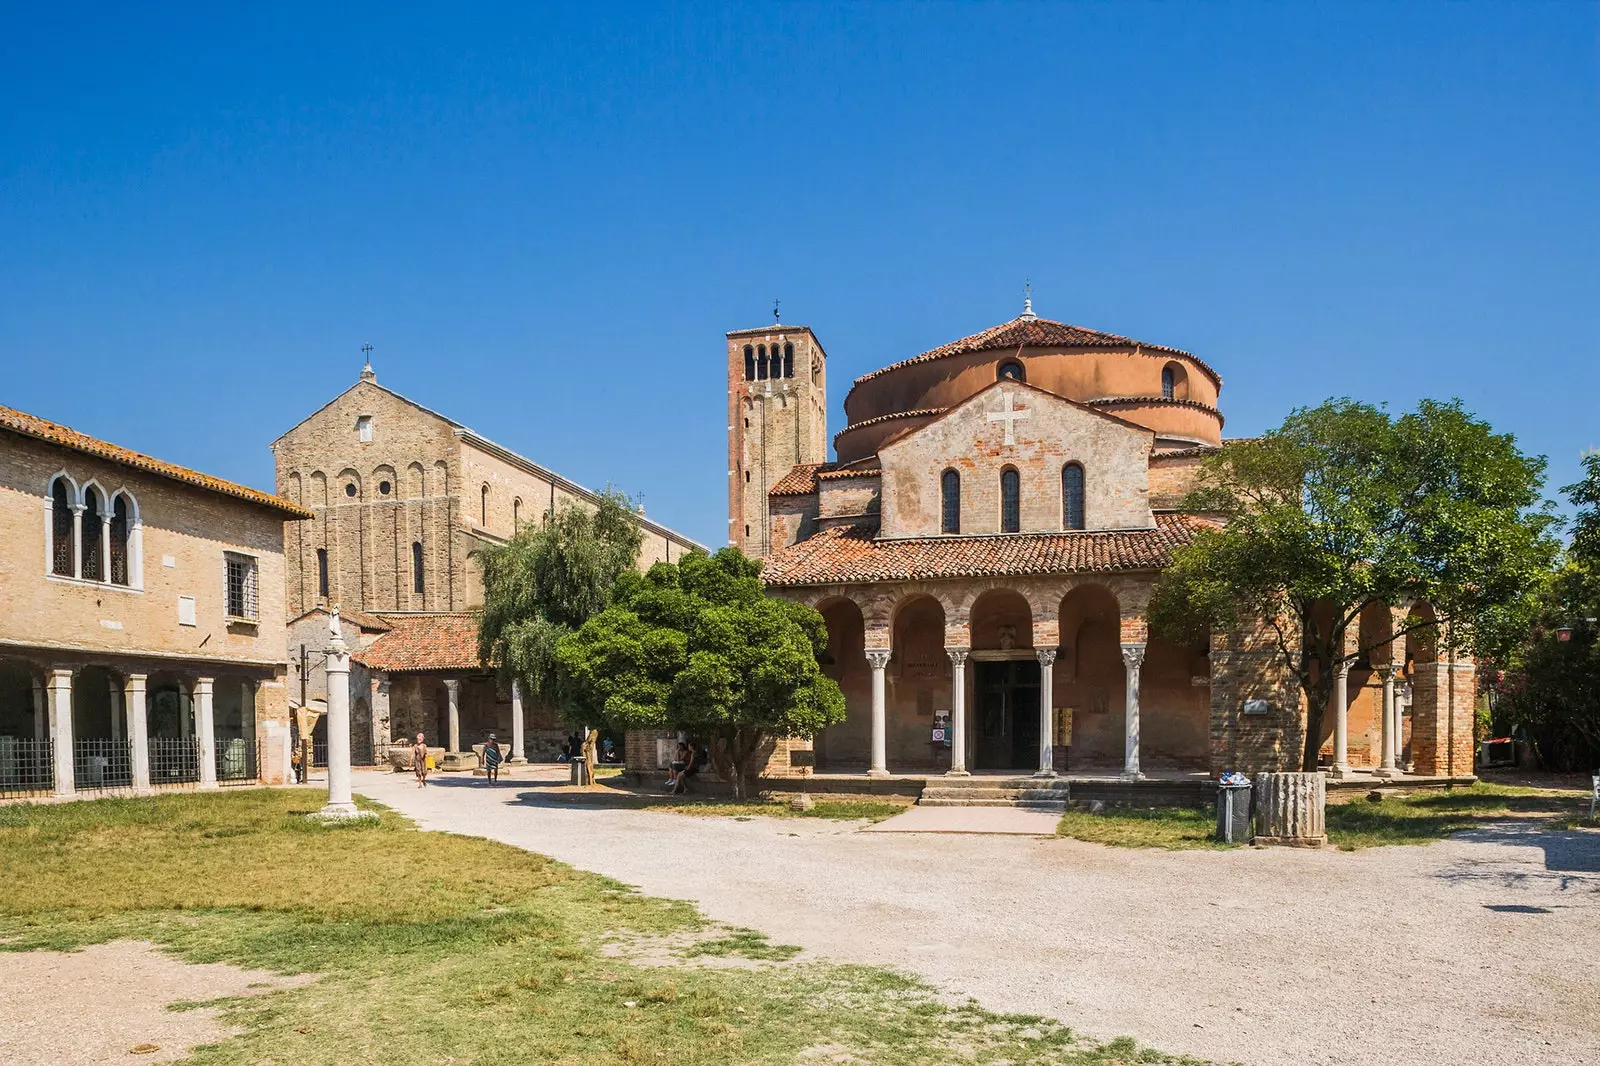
{"x":1386,"y":725}
{"x":1341,"y":720}
{"x":453,"y":694}
{"x":958,"y":711}
{"x":133,"y":702}
{"x":1132,"y":659}
{"x":59,"y":692}
{"x":1047,"y":712}
{"x":205,"y":729}
{"x":340,"y":802}
{"x":518,"y":752}
{"x":878,"y":658}
{"x":77,"y":540}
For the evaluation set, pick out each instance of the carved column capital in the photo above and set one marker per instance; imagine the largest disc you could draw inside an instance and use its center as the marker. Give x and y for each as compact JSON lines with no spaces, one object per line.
{"x":1342,"y":669}
{"x":1133,"y":655}
{"x":958,"y":656}
{"x":1047,"y":656}
{"x":878,"y":658}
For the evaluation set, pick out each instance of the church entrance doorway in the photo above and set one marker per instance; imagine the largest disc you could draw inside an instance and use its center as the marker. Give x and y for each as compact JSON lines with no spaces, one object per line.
{"x":1008,"y":715}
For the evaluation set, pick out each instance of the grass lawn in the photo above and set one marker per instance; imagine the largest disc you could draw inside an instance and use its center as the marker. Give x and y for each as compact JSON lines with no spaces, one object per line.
{"x":435,"y":948}
{"x":1410,"y":817}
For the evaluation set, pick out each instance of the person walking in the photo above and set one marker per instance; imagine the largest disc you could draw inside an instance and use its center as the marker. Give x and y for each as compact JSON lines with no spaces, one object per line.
{"x":492,"y":757}
{"x":419,"y":760}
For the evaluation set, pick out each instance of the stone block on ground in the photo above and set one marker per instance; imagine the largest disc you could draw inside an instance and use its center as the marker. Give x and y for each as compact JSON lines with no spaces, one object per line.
{"x":1290,"y":809}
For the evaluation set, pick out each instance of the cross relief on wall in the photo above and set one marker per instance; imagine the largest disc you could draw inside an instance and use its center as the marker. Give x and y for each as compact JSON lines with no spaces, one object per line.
{"x":1009,"y":415}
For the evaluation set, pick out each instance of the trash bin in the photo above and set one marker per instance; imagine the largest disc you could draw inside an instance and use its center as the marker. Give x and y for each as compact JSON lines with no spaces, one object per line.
{"x":580,"y":771}
{"x":1233,"y":813}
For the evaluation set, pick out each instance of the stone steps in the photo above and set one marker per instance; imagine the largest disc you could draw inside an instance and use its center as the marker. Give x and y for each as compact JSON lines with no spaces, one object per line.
{"x":1023,"y":792}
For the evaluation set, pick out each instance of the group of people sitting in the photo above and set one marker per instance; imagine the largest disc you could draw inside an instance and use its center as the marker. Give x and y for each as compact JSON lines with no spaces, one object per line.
{"x":687,"y":762}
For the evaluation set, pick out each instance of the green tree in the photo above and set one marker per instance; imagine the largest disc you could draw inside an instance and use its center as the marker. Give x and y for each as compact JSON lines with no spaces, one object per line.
{"x":1344,"y":506}
{"x":546,"y":582}
{"x":699,"y":646}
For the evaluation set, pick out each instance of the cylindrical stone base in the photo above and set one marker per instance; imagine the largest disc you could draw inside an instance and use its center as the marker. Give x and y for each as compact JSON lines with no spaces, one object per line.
{"x":1290,"y":809}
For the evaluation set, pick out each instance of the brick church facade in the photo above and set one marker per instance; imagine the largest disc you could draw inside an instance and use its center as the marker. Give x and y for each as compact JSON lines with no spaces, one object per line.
{"x":983,"y":546}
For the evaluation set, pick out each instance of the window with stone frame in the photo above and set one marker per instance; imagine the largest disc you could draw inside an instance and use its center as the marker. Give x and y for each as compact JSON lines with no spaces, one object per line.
{"x":1010,"y":501}
{"x":1072,"y":511}
{"x":119,"y":541}
{"x":788,"y":360}
{"x":950,"y":502}
{"x":61,"y":541}
{"x":1011,"y":370}
{"x":241,"y":576}
{"x":322,"y":572}
{"x":1169,"y":383}
{"x":91,"y":544}
{"x":749,"y":363}
{"x":416,"y":567}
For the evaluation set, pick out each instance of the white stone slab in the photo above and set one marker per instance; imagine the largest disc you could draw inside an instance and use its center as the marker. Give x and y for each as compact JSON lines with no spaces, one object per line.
{"x":1005,"y":820}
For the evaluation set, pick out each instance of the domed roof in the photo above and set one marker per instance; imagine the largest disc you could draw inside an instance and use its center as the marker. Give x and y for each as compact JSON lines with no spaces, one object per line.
{"x":1027,"y":330}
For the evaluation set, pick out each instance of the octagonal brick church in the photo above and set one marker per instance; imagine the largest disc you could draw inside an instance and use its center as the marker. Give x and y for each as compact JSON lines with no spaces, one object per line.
{"x":983,"y":548}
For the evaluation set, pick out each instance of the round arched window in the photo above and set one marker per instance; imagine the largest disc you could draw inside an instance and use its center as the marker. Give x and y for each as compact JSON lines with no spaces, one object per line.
{"x":350,"y":489}
{"x":383,"y":488}
{"x":1011,"y":371}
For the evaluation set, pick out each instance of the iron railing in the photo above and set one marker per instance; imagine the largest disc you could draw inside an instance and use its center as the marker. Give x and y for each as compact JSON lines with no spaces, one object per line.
{"x":99,"y":763}
{"x":27,"y":767}
{"x":236,"y":761}
{"x":319,"y":754}
{"x":174,"y":760}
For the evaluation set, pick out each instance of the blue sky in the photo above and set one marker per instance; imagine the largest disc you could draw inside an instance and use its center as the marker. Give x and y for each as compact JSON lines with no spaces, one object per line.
{"x":544,"y":221}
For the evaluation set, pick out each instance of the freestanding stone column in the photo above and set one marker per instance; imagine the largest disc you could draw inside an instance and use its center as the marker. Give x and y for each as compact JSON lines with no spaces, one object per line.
{"x":452,"y":691}
{"x":1047,"y":712}
{"x":518,"y":754}
{"x":340,"y":803}
{"x":958,"y":711}
{"x":878,"y":658}
{"x":60,"y":697}
{"x":205,"y":727}
{"x":1386,"y":725}
{"x":1341,"y":719}
{"x":133,"y":702}
{"x":1132,"y":658}
{"x":1290,"y":809}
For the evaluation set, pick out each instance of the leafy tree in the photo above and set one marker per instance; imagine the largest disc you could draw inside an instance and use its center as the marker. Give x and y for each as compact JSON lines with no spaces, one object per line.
{"x":699,"y":646}
{"x":1344,"y":506}
{"x":546,"y":581}
{"x":1551,"y":686}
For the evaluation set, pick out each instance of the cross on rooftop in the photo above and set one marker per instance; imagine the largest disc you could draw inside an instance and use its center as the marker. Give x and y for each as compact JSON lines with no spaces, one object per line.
{"x":1009,"y":416}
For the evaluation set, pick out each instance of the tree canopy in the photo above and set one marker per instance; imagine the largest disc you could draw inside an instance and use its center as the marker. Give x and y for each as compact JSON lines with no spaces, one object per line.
{"x":549,"y":579}
{"x":699,"y":646}
{"x":1343,"y":506}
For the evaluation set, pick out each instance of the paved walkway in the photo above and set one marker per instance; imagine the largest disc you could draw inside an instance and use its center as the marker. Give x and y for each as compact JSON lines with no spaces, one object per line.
{"x":1479,"y":949}
{"x":1010,"y":821}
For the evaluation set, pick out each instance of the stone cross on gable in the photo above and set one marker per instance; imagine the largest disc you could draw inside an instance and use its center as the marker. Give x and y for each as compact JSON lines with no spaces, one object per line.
{"x":1009,"y":416}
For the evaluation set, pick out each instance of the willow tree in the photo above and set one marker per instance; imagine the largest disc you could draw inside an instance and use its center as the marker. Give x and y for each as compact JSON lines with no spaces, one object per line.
{"x":1344,"y":506}
{"x":546,"y":582}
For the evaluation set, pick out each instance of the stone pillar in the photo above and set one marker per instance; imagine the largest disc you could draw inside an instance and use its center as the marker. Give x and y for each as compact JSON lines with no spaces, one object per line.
{"x":958,"y":711}
{"x":1047,"y":715}
{"x":60,"y":698}
{"x":205,"y":727}
{"x":41,"y":716}
{"x":1386,"y":725}
{"x":518,"y":751}
{"x":1341,"y":719}
{"x":341,"y":804}
{"x":453,"y":694}
{"x":115,"y":693}
{"x":878,"y":658}
{"x":1290,"y":809}
{"x":185,"y":704}
{"x":77,"y":540}
{"x":133,"y":702}
{"x":1132,"y":659}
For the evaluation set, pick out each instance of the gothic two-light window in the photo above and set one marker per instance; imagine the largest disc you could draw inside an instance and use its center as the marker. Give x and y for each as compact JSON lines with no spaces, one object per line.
{"x":1010,"y":501}
{"x":950,"y":502}
{"x":1072,"y":511}
{"x":92,"y":537}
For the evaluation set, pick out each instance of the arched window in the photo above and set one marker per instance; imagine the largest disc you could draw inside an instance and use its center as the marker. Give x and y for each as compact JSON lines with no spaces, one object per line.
{"x":950,"y":502}
{"x":788,"y":360}
{"x":322,"y":572}
{"x":1072,"y":516}
{"x":1010,"y":501}
{"x":483,"y":506}
{"x":119,"y":540}
{"x":1169,"y":383}
{"x":61,"y":547}
{"x":516,"y":513}
{"x":1174,"y":382}
{"x":91,"y":544}
{"x":416,"y":567}
{"x":1011,"y":371}
{"x":761,"y":362}
{"x":749,"y":363}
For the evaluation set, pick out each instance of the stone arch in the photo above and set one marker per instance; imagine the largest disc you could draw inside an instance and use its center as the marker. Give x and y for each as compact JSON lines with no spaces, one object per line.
{"x":295,"y":485}
{"x":92,"y":547}
{"x":918,"y":681}
{"x":441,"y":478}
{"x":350,"y":479}
{"x":1000,"y":619}
{"x":383,"y":475}
{"x":1091,"y":681}
{"x":319,"y":489}
{"x":1174,"y":381}
{"x":416,"y":482}
{"x":848,"y":744}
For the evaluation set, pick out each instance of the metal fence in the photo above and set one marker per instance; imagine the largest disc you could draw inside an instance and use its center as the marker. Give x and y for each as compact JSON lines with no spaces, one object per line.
{"x":236,"y":761}
{"x":319,"y":754}
{"x":27,"y":767}
{"x":101,"y":763}
{"x":174,"y":760}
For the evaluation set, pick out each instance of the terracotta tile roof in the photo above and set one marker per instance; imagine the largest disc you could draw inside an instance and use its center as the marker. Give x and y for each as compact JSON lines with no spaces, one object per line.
{"x":854,"y":553}
{"x":38,"y":428}
{"x":1025,"y":332}
{"x":425,"y":642}
{"x":359,"y":619}
{"x":1154,"y":401}
{"x":801,"y":480}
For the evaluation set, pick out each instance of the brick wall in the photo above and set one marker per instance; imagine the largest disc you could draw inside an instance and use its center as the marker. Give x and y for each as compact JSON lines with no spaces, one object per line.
{"x":1245,"y":666}
{"x":1442,"y":718}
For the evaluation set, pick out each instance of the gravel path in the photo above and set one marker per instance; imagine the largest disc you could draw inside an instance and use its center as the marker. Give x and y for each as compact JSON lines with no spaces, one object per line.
{"x":1482,"y":948}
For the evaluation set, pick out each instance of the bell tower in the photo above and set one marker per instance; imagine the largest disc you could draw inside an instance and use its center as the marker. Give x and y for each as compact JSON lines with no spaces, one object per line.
{"x":777,"y":417}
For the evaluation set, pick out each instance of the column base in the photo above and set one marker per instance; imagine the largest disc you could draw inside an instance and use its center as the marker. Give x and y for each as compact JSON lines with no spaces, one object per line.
{"x":878,"y":773}
{"x":1340,"y":772}
{"x":1388,"y":773}
{"x":957,"y":771}
{"x":209,"y":786}
{"x":1132,"y":775}
{"x":516,"y":762}
{"x":343,"y":812}
{"x":1045,"y":775}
